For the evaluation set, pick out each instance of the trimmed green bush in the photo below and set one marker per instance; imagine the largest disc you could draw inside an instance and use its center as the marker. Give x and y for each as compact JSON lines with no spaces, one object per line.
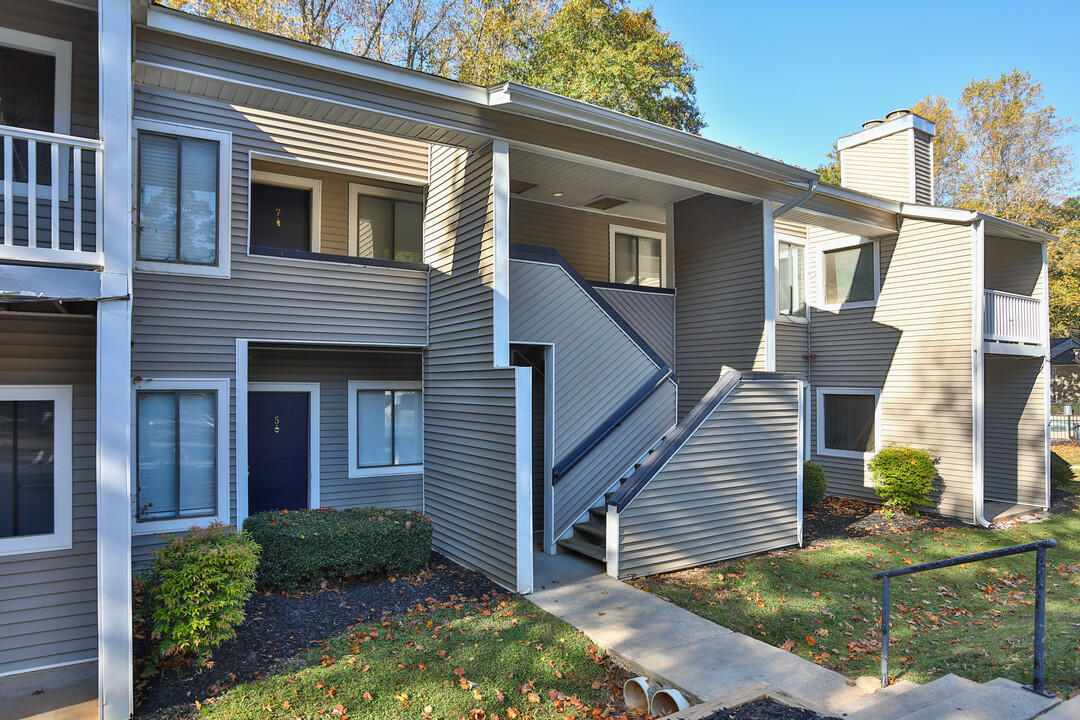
{"x":813,"y":484}
{"x":903,"y":477}
{"x":302,"y":548}
{"x":196,"y":587}
{"x":1061,"y":472}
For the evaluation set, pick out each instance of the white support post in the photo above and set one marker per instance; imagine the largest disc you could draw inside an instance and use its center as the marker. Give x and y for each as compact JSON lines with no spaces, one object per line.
{"x":1048,"y":376}
{"x":772,"y":271}
{"x":115,"y":685}
{"x":978,"y":369}
{"x":500,"y":181}
{"x":800,"y":457}
{"x":523,"y":391}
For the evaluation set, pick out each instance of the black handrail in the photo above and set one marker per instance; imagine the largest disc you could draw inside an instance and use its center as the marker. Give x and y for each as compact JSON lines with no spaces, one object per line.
{"x":1040,"y":600}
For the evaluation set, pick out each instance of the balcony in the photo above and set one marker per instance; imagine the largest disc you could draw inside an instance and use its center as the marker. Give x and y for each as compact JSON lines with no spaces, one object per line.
{"x":1013,"y":324}
{"x":56,"y":219}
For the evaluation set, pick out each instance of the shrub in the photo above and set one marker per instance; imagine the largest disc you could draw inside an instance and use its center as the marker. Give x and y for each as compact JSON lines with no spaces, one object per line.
{"x":813,"y":484}
{"x":903,"y":477}
{"x":301,"y":548}
{"x":1061,"y":472}
{"x":196,"y":587}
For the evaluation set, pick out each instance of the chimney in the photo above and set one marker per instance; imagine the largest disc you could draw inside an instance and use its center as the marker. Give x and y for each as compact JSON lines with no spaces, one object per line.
{"x":892,"y":158}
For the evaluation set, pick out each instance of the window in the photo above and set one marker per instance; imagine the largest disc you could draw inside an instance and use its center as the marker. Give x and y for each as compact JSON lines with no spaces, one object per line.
{"x":386,"y":224}
{"x":847,"y":421}
{"x":285,"y":211}
{"x":35,"y":94}
{"x":35,"y":468}
{"x":385,"y":428}
{"x":850,"y":274}
{"x":182,"y":200}
{"x":791,"y":264}
{"x":636,"y":257}
{"x":181,"y":453}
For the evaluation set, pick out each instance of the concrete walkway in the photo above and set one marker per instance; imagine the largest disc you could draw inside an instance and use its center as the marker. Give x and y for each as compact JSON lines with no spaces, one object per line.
{"x":673,"y":646}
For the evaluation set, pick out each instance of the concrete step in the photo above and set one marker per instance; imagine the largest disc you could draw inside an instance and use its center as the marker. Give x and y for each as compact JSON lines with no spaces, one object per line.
{"x":890,"y":706}
{"x":595,"y":529}
{"x":581,"y":547}
{"x":996,"y":700}
{"x":1069,"y":710}
{"x":877,"y":696}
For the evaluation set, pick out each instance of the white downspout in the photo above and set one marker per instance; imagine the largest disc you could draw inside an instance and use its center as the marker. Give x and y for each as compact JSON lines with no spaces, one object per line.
{"x":978,"y":369}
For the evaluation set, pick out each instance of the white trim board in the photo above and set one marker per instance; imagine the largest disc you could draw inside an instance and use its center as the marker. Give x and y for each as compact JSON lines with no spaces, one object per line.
{"x":821,"y":450}
{"x":314,"y":421}
{"x":523,"y":478}
{"x":221,"y":387}
{"x":60,"y":537}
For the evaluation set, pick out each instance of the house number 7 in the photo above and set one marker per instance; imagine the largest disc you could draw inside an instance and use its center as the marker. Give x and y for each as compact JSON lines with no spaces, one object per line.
{"x":277,"y":424}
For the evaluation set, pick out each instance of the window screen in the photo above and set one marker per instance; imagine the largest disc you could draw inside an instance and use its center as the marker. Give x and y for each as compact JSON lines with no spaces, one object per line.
{"x":389,"y":229}
{"x":26,"y":467}
{"x":389,"y":427}
{"x":849,"y":422}
{"x":849,"y":274}
{"x":637,"y":260}
{"x":792,"y":294}
{"x":28,"y":100}
{"x":177,"y":454}
{"x":178,"y":199}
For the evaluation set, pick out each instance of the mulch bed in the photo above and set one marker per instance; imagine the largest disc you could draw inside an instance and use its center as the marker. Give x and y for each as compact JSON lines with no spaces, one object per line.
{"x":765,"y":709}
{"x":278,"y":628}
{"x":840,"y":518}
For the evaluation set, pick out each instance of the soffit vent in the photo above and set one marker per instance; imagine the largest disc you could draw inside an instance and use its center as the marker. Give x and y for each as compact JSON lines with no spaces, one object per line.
{"x":605,"y":203}
{"x":519,"y":186}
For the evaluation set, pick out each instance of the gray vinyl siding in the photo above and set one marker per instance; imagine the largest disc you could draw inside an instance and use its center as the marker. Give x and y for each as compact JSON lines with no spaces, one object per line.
{"x":48,"y":600}
{"x":1014,"y":460}
{"x":790,"y":346}
{"x":597,"y":366}
{"x":79,"y":27}
{"x":333,"y":369}
{"x":720,"y":311}
{"x":924,"y":169}
{"x":186,"y":326}
{"x":880,"y":167}
{"x":914,"y":346}
{"x":580,"y":236}
{"x":470,"y":452}
{"x":652,"y":315}
{"x":730,"y":491}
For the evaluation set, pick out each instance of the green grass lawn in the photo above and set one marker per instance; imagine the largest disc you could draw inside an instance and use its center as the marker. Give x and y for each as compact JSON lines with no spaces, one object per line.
{"x":498,"y":661}
{"x":974,"y":620}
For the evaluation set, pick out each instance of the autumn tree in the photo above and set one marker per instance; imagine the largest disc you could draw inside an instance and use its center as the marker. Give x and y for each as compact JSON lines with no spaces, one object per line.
{"x":830,"y":169}
{"x":1063,"y":258}
{"x":605,"y":52}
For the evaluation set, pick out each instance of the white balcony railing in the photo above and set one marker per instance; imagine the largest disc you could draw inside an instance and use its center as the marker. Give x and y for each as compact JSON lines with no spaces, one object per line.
{"x":51,"y":202}
{"x":1012,"y":318}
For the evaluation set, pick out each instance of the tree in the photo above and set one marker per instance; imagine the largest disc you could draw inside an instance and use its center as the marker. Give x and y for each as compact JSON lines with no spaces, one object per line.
{"x":1063,"y":257}
{"x":830,"y":169}
{"x":606,"y":53}
{"x":1002,"y":151}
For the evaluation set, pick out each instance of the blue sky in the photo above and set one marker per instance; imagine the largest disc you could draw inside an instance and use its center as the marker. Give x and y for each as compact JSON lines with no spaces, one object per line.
{"x":785,"y":78}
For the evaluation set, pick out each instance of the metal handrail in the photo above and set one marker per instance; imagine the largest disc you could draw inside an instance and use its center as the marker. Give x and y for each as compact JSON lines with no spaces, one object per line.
{"x":1040,"y":600}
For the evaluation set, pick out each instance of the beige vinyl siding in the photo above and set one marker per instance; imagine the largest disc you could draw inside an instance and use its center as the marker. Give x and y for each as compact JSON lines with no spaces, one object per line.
{"x":187,"y":326}
{"x":580,"y":236}
{"x":790,"y":346}
{"x":48,"y":600}
{"x":789,"y":228}
{"x":652,"y":315}
{"x":1014,"y":461}
{"x":333,"y":369}
{"x":924,"y":169}
{"x":731,"y":490}
{"x":1013,"y":266}
{"x":597,"y":368}
{"x":915,"y":347}
{"x":720,"y":309}
{"x":880,"y":167}
{"x":470,"y":452}
{"x":78,"y":27}
{"x":334,"y":215}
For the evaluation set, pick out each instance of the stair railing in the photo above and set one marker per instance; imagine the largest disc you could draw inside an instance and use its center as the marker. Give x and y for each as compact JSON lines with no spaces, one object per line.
{"x":1040,"y":600}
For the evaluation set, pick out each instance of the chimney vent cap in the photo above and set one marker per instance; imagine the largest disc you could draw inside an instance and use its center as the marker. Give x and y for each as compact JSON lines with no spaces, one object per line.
{"x":871,"y":123}
{"x":897,"y":113}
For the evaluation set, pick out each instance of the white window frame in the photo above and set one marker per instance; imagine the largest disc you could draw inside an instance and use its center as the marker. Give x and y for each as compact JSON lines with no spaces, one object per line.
{"x":821,"y":392}
{"x":222,"y":422}
{"x":299,"y":182}
{"x":356,"y":189}
{"x":60,"y":537}
{"x":358,"y":472}
{"x":224,"y":250}
{"x":61,"y":50}
{"x":844,"y":244}
{"x":792,"y":240}
{"x":637,"y":232}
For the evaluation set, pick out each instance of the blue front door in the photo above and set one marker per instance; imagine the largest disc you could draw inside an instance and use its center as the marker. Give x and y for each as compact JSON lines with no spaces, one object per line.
{"x":278,"y":451}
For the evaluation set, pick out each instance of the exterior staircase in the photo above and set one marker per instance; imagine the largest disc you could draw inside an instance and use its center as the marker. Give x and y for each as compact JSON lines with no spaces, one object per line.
{"x":948,"y":698}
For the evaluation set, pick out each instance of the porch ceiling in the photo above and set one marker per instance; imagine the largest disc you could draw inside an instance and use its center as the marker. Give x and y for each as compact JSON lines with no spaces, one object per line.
{"x":582,"y":183}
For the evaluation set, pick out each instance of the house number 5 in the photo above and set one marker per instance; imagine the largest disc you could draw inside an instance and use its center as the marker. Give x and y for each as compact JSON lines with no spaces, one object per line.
{"x":277,"y":424}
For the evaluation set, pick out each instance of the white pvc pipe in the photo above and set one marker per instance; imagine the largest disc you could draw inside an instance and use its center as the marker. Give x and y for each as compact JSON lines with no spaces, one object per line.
{"x":667,"y":701}
{"x":636,"y":694}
